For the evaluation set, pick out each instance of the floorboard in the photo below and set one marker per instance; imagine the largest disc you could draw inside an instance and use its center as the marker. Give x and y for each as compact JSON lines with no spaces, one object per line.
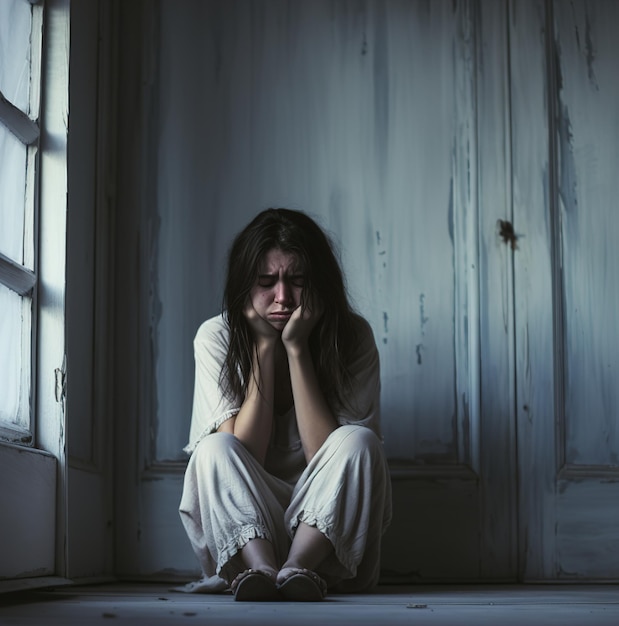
{"x":157,"y":604}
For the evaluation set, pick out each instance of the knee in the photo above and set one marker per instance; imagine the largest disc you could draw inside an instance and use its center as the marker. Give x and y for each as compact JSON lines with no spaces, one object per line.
{"x":214,"y":448}
{"x":353,"y":440}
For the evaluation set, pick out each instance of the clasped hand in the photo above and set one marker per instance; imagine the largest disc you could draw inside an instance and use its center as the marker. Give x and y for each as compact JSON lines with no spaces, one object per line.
{"x":301,"y":323}
{"x":295,"y":333}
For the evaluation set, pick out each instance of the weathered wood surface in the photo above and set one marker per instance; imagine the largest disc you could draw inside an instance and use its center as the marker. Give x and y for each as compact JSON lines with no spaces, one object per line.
{"x":359,"y":113}
{"x":587,"y":133}
{"x":564,"y":108}
{"x":27,"y":524}
{"x":364,"y":115}
{"x":588,"y":154}
{"x":409,"y":129}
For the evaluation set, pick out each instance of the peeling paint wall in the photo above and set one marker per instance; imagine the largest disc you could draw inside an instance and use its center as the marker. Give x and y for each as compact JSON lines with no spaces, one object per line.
{"x":565,"y":163}
{"x":588,"y":131}
{"x":351,"y":112}
{"x":464,"y":156}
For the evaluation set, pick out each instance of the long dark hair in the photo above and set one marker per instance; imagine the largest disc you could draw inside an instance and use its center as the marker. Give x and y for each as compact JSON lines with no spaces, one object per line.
{"x":333,"y":338}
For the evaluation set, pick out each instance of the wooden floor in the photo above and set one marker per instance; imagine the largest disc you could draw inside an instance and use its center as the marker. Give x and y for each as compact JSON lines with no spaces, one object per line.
{"x":156,"y":604}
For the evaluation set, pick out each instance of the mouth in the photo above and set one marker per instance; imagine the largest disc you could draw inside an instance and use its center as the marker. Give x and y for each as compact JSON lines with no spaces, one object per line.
{"x":280,"y":316}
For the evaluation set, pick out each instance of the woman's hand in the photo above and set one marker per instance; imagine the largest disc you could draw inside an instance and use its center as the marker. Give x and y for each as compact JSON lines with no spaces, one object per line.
{"x":301,"y":323}
{"x":262,"y":331}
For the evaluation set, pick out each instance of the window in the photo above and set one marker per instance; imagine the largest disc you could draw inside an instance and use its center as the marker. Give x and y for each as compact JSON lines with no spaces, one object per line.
{"x":20,"y":77}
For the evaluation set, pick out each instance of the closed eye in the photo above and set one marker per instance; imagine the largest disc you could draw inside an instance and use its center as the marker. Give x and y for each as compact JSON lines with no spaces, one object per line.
{"x":269,"y":280}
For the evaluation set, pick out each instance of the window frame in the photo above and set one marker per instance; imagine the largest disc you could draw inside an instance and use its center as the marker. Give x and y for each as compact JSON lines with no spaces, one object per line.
{"x":22,"y":278}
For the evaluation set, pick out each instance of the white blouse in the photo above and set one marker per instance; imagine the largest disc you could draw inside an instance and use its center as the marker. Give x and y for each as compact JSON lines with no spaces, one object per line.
{"x":285,"y":459}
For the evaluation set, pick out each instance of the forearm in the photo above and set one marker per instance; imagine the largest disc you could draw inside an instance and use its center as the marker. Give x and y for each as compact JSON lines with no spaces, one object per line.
{"x":315,"y":419}
{"x":254,"y":421}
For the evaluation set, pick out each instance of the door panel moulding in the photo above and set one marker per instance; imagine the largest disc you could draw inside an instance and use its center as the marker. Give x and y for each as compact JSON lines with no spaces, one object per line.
{"x":433,"y":472}
{"x":583,"y":472}
{"x":398,"y":471}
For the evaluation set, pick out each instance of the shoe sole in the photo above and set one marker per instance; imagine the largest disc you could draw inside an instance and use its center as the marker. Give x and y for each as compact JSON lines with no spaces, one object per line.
{"x":301,"y":588}
{"x":256,"y":588}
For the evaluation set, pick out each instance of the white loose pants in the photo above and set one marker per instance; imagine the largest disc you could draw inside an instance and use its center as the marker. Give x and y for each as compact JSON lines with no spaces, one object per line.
{"x":345,"y":491}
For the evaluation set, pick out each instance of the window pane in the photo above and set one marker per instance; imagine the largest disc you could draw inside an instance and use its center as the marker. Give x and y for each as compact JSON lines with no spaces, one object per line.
{"x":13,"y":155}
{"x":15,"y":313}
{"x":15,"y":25}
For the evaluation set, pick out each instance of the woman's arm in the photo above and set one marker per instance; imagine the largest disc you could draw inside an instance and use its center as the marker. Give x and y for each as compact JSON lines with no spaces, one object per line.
{"x":315,"y":419}
{"x":253,"y":424}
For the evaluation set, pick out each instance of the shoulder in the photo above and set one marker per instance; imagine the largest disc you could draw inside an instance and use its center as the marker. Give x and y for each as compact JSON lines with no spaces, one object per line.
{"x":364,"y":352}
{"x":364,"y":335}
{"x":213,"y":333}
{"x":216,"y":325}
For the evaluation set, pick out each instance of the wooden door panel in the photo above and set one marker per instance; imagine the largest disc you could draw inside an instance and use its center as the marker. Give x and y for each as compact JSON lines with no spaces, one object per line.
{"x":365,"y":115}
{"x":28,"y":520}
{"x":588,"y":187}
{"x":533,"y":285}
{"x":564,"y":60}
{"x":496,"y":433}
{"x":586,"y":535}
{"x":409,"y":129}
{"x":587,"y":57}
{"x":89,"y":544}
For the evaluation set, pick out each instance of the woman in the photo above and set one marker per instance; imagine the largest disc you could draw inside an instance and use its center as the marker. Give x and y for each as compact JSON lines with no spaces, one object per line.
{"x":287,"y":491}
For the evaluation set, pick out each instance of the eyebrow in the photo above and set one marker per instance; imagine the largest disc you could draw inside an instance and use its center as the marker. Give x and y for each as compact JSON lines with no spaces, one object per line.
{"x":295,"y":272}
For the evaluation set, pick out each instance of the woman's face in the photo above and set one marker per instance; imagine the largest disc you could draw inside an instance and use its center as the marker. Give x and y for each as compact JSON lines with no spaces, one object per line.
{"x":278,"y":289}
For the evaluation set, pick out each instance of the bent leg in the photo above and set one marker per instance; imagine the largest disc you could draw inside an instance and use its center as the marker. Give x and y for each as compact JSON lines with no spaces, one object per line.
{"x":345,"y":494}
{"x":228,"y":501}
{"x":308,"y":550}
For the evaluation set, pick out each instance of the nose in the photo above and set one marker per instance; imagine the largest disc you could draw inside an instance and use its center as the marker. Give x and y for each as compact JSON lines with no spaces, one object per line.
{"x":283,"y":292}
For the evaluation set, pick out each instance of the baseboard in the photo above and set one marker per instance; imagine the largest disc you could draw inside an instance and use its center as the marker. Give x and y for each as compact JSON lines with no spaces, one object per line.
{"x":24,"y":584}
